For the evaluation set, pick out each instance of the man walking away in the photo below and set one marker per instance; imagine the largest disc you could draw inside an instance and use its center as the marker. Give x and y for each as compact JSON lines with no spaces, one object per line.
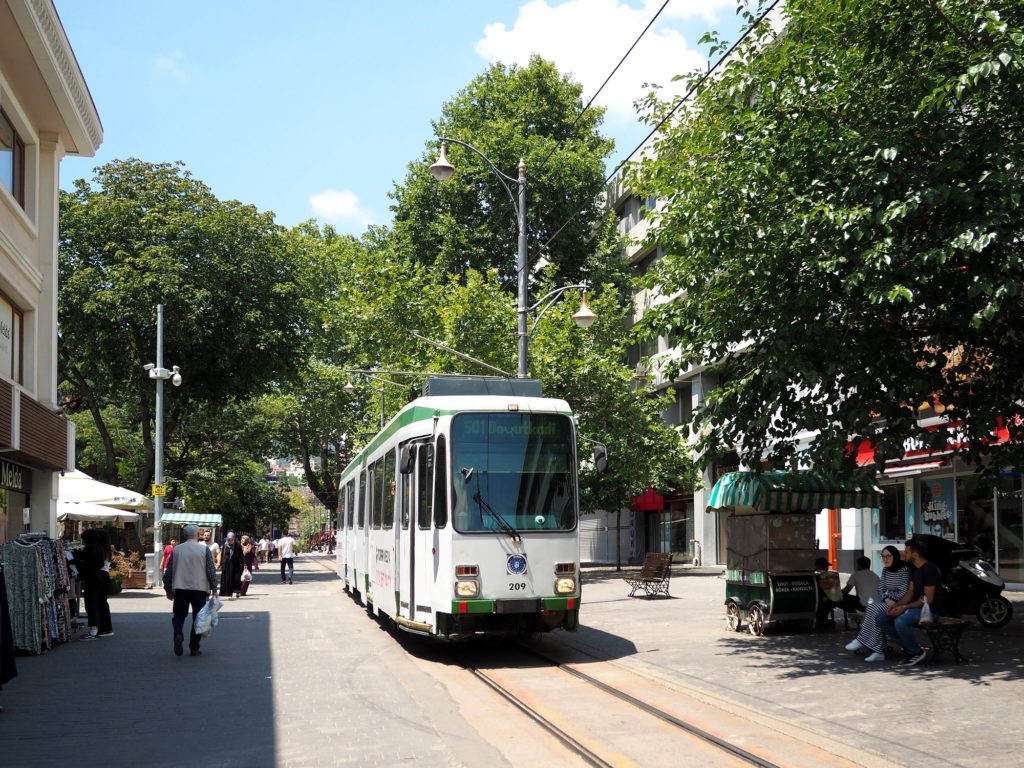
{"x":189,"y":577}
{"x":286,"y":551}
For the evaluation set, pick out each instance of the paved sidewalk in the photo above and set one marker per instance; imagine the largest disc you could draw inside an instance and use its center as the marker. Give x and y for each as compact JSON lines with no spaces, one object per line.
{"x":293,"y":675}
{"x":942,"y":714}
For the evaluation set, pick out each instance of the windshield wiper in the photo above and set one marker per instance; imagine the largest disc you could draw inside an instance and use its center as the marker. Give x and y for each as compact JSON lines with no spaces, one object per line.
{"x":504,"y":524}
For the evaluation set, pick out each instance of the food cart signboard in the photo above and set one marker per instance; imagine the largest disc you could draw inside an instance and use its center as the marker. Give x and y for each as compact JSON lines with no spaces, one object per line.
{"x":793,"y":594}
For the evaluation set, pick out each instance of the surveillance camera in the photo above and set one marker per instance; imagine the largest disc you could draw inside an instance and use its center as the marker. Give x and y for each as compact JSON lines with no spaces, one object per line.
{"x":148,"y":367}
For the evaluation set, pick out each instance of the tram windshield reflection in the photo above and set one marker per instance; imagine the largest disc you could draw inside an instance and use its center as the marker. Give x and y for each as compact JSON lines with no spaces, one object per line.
{"x":518,"y":466}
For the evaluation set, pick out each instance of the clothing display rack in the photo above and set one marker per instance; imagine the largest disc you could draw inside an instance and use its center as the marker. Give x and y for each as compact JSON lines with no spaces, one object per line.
{"x":38,"y":585}
{"x":8,"y":669}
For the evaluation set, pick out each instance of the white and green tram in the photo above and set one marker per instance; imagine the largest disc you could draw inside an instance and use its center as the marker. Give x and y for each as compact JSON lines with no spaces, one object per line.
{"x":459,"y":518}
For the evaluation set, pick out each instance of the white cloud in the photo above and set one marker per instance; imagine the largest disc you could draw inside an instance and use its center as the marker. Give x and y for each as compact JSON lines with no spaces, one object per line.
{"x":341,"y":207}
{"x":170,"y":64}
{"x":585,"y":38}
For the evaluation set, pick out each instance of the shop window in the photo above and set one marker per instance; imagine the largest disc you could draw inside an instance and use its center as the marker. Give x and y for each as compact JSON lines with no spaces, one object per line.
{"x":892,"y":522}
{"x":12,"y":159}
{"x":11,"y":330}
{"x":975,"y":513}
{"x":1010,"y":531}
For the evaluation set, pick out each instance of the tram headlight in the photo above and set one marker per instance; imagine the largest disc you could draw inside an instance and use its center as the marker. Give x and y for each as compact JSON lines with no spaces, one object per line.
{"x":565,"y":586}
{"x":467,"y":588}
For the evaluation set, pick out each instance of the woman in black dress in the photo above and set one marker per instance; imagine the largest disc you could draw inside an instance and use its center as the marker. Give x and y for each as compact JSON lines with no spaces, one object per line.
{"x":94,"y":568}
{"x":231,"y":567}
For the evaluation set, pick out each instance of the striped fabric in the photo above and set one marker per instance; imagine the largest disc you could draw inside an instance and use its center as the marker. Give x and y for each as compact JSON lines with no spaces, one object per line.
{"x":753,"y":493}
{"x":199,"y":518}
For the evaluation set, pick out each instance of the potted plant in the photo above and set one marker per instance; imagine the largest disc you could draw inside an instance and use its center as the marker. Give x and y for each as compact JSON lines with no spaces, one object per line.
{"x":115,"y":582}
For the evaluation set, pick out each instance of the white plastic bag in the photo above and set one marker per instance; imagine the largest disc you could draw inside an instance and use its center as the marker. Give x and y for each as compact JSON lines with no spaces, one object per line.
{"x":926,"y":616}
{"x":206,"y":620}
{"x":246,"y":574}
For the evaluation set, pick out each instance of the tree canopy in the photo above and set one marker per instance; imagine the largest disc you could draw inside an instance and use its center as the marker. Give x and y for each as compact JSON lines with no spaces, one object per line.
{"x":147,"y":233}
{"x":509,"y":113}
{"x":842,"y":221}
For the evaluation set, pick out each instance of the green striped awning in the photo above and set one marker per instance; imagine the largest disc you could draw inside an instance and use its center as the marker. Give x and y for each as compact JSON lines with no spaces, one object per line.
{"x":752,"y":493}
{"x":198,"y":518}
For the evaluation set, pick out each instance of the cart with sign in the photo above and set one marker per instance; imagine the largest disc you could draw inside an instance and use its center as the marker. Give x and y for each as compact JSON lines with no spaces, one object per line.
{"x":771,"y":544}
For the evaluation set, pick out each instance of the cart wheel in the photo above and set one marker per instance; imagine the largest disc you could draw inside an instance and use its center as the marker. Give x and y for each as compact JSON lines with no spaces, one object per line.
{"x":733,"y":618}
{"x":755,"y":619}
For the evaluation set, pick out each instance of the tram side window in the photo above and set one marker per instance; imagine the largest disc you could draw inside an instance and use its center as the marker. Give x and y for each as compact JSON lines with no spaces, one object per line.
{"x":378,"y":492}
{"x":388,"y":507}
{"x":363,"y":498}
{"x":351,"y":502}
{"x":425,"y":472}
{"x":407,"y":491}
{"x":440,"y":485}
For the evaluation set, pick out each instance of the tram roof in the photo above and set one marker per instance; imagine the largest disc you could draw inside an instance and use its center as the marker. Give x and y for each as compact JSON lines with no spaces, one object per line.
{"x":426,"y":408}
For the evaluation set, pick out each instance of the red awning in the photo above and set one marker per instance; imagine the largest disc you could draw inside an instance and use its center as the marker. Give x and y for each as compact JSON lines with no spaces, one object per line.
{"x":648,"y":501}
{"x":864,"y":452}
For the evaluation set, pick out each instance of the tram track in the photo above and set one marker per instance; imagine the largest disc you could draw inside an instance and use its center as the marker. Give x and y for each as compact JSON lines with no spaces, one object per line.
{"x":605,"y":747}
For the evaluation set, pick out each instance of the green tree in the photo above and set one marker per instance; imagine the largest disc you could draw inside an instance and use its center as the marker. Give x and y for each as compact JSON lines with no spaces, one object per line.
{"x":843,"y":227}
{"x":144,"y":234}
{"x":509,"y":113}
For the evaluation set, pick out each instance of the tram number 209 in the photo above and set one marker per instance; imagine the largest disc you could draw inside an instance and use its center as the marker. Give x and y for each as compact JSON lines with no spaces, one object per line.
{"x":515,"y":586}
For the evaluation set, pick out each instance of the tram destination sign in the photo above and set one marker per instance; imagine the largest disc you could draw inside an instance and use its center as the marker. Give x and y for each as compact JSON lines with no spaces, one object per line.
{"x":14,"y":477}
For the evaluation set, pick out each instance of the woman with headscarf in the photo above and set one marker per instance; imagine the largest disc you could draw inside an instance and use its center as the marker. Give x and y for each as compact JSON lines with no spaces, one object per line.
{"x":250,"y":561}
{"x":93,"y":564}
{"x":892,"y":587}
{"x":231,"y":567}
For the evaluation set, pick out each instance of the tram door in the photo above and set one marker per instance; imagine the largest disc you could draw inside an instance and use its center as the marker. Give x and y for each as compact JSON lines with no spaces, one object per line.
{"x":417,"y":495}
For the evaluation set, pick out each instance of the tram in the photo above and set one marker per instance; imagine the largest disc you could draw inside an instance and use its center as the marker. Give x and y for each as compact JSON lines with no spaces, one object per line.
{"x":459,"y":519}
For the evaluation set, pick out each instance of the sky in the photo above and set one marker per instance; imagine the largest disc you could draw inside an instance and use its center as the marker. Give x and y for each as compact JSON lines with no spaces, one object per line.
{"x":314,"y":108}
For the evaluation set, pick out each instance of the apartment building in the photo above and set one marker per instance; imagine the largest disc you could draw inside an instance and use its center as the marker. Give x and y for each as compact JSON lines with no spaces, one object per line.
{"x":46,"y":112}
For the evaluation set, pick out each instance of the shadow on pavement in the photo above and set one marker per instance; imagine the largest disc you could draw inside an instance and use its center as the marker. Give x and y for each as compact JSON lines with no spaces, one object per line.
{"x":128,"y":700}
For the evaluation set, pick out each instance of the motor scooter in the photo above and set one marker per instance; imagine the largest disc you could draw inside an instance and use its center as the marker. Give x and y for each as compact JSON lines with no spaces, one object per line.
{"x":972,"y":584}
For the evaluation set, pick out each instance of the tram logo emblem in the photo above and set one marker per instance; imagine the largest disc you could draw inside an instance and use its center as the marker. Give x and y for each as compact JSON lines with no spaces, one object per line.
{"x":516,"y":565}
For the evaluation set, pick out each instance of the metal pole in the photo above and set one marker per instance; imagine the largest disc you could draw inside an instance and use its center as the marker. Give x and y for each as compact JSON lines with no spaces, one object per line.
{"x":382,"y":404}
{"x":521,"y":267}
{"x":158,"y":501}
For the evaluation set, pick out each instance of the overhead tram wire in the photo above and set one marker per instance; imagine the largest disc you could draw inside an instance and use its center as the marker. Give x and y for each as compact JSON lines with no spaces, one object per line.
{"x":679,"y":102}
{"x":597,"y":93}
{"x":544,"y":162}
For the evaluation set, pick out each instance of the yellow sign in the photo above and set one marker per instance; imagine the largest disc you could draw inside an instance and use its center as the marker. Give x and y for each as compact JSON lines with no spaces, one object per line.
{"x":159,"y":490}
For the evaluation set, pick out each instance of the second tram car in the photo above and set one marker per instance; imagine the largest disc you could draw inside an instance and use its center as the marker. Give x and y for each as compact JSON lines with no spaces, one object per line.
{"x":460,"y":518}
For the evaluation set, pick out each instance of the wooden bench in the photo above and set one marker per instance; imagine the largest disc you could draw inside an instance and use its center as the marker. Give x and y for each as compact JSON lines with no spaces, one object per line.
{"x":654,"y":575}
{"x":944,"y":635}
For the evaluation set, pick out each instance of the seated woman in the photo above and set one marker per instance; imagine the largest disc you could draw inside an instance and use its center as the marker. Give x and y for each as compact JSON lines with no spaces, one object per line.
{"x":893,"y":585}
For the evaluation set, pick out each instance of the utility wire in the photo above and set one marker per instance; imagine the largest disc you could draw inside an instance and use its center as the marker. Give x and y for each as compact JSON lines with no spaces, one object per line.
{"x":665,"y":119}
{"x":597,"y":93}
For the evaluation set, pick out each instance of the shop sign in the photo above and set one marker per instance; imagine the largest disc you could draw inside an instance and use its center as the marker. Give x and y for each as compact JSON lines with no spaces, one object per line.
{"x":939,"y":505}
{"x":14,"y":477}
{"x":6,"y":338}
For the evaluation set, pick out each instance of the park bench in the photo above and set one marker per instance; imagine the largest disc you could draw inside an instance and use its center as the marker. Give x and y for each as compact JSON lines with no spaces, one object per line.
{"x":944,"y":635}
{"x":654,"y":575}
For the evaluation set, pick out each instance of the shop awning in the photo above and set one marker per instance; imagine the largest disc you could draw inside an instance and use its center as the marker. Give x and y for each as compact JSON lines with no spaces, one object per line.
{"x":753,"y":493}
{"x":83,"y":510}
{"x":184,"y":518}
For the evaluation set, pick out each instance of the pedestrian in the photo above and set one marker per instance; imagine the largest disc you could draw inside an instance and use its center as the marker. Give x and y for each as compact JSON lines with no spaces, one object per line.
{"x":925,"y":586}
{"x":167,"y":553}
{"x":190,"y":576}
{"x":231,"y":567}
{"x":94,"y":567}
{"x":272,"y":544}
{"x":286,"y":551}
{"x":893,"y":585}
{"x":213,"y":546}
{"x":250,"y":563}
{"x":863,"y":582}
{"x":264,"y":548}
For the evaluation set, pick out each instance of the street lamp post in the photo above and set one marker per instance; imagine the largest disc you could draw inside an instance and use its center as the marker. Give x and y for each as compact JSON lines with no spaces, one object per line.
{"x":160,"y":374}
{"x":443,"y":170}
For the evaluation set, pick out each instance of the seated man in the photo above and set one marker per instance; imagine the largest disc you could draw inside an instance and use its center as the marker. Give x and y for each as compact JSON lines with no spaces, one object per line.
{"x":863,"y":582}
{"x":925,"y":585}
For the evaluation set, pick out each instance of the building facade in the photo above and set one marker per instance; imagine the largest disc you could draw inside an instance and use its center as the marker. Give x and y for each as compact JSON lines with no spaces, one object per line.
{"x":46,"y":112}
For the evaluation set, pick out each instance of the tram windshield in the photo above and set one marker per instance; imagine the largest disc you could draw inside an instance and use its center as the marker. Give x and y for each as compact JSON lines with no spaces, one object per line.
{"x":512,"y":472}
